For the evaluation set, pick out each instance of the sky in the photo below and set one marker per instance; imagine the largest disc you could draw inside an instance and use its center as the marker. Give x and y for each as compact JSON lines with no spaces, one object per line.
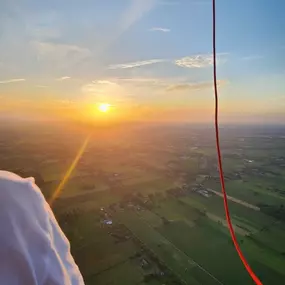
{"x":149,"y":59}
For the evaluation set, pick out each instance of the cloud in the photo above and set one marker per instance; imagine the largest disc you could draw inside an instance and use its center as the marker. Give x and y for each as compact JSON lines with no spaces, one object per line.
{"x":12,"y":80}
{"x":45,"y":48}
{"x":63,"y":78}
{"x":194,"y":61}
{"x":98,"y":87}
{"x":136,"y":64}
{"x":104,"y":91}
{"x":59,"y":53}
{"x":193,"y":86}
{"x":141,"y":80}
{"x":106,"y":82}
{"x":41,"y":86}
{"x":198,"y":61}
{"x":159,"y":29}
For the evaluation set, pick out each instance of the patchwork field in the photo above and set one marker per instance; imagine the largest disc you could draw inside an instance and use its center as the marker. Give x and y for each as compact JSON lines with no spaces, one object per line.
{"x":146,"y":208}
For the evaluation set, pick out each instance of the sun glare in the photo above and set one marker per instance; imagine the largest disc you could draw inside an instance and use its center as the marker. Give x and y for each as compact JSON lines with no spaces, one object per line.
{"x":104,"y":107}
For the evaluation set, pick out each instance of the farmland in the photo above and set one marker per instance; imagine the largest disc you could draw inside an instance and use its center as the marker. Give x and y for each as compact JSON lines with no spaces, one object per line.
{"x":143,"y":205}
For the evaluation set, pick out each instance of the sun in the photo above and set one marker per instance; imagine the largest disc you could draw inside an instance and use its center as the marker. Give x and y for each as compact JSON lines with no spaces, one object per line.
{"x":104,"y":107}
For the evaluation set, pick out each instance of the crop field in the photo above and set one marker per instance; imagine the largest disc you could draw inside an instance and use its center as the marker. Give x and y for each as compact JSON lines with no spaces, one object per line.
{"x":239,"y":212}
{"x":204,"y":235}
{"x":147,"y":209}
{"x":186,"y":245}
{"x":253,"y":191}
{"x":174,"y":259}
{"x":173,"y":210}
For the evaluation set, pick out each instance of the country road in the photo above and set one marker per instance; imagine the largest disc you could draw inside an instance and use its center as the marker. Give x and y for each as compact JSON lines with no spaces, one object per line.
{"x":233,"y":199}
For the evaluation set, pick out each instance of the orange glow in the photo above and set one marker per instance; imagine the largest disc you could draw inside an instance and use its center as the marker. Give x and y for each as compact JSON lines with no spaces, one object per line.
{"x":105,"y":113}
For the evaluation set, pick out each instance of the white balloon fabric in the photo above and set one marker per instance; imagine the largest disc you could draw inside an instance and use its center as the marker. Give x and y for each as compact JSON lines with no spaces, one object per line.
{"x":33,"y":248}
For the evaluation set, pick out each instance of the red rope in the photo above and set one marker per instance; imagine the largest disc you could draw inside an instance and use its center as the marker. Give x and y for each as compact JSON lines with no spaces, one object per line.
{"x":222,"y":180}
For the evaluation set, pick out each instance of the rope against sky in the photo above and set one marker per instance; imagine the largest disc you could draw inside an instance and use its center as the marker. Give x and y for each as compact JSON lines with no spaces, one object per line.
{"x":222,"y":180}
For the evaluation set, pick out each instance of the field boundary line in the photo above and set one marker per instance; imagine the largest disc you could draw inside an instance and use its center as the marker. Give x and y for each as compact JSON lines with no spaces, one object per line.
{"x":187,"y":256}
{"x":176,"y":274}
{"x":108,"y":268}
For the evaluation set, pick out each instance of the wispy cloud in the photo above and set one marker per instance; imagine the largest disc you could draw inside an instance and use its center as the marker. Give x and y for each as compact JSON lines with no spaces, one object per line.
{"x":63,"y":78}
{"x":159,"y":29}
{"x":104,"y":91}
{"x":141,"y":80}
{"x":59,"y":55}
{"x":193,"y":86}
{"x":136,"y":64}
{"x":47,"y":48}
{"x":99,"y":86}
{"x":12,"y":80}
{"x":194,"y":61}
{"x":106,"y":82}
{"x":198,"y":61}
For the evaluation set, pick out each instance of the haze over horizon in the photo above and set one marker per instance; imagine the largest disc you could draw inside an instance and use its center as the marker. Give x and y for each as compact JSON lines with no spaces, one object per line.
{"x":151,"y":60}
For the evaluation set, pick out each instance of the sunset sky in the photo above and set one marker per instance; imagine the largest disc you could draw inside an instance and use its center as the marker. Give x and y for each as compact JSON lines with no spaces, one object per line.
{"x":148,"y":59}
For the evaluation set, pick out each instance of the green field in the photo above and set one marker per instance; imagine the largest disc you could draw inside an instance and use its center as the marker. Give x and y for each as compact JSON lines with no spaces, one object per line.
{"x":172,"y":210}
{"x":207,"y":245}
{"x":179,"y":234}
{"x":165,"y":251}
{"x":242,"y":214}
{"x":253,"y":191}
{"x":124,"y":273}
{"x":148,"y":182}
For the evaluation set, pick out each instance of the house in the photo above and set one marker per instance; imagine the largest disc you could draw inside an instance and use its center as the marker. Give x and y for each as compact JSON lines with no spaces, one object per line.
{"x":204,"y":193}
{"x":107,"y":222}
{"x":144,"y":263}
